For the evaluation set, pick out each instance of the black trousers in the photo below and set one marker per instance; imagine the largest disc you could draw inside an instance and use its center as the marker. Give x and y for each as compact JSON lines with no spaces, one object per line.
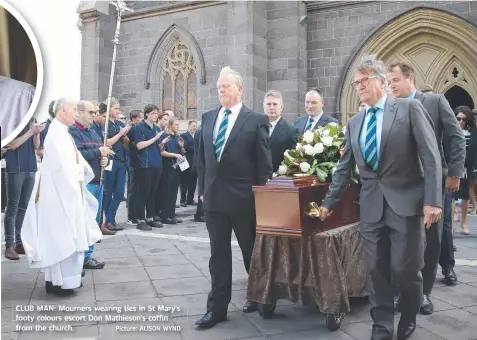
{"x":4,"y":190}
{"x":172,"y":179}
{"x":148,"y":182}
{"x":446,"y":258}
{"x":132,"y":193}
{"x":188,"y":185}
{"x":220,"y":226}
{"x":200,"y":209}
{"x":395,"y":246}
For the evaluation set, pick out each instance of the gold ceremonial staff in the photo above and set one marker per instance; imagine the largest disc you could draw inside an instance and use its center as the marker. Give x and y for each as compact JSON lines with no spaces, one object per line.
{"x":120,"y":8}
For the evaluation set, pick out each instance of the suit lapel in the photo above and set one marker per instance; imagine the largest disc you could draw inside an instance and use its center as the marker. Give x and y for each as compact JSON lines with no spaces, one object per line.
{"x":419,"y":96}
{"x":359,"y":127}
{"x":277,"y":130}
{"x":388,"y":119}
{"x":208,"y":130}
{"x":241,"y":119}
{"x":321,"y":122}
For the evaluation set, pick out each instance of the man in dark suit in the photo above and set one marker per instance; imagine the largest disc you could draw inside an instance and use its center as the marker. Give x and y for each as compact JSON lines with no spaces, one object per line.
{"x":199,"y":213}
{"x":189,"y":177}
{"x":283,"y":135}
{"x":393,"y":144}
{"x":314,"y":113}
{"x":234,"y":154}
{"x":402,"y":81}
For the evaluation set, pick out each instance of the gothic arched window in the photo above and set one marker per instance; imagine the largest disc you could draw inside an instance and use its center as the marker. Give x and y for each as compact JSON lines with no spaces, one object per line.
{"x":179,"y":83}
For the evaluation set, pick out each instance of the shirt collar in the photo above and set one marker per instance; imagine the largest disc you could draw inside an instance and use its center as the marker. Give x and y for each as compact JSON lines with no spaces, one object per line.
{"x":380,"y":104}
{"x":81,"y":126}
{"x":317,"y":117}
{"x":235,"y":109}
{"x":275,"y":122}
{"x":412,"y":95}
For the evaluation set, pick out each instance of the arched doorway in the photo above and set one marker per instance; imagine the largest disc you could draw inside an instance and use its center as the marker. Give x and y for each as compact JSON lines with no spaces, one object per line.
{"x":443,"y":52}
{"x":457,"y":96}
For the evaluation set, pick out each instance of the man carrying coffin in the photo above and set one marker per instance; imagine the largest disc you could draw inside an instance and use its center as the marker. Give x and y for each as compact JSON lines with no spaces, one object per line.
{"x":60,"y":221}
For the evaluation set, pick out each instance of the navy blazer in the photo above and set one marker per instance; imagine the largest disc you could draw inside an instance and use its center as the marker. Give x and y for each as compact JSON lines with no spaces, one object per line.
{"x":284,"y":137}
{"x":188,"y":147}
{"x":300,"y":123}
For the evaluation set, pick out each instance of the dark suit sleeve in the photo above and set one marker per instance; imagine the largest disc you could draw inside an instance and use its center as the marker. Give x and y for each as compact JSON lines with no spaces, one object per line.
{"x":423,"y":132}
{"x":87,"y":153}
{"x":263,"y":155}
{"x":456,"y":156}
{"x":342,"y":174}
{"x":200,"y":156}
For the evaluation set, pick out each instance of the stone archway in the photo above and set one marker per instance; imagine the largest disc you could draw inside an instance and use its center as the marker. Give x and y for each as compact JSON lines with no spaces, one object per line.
{"x":442,"y":48}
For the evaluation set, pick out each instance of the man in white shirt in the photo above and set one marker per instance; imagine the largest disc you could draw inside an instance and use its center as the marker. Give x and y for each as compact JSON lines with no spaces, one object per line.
{"x":314,"y":113}
{"x":234,"y":154}
{"x":55,"y":236}
{"x":16,"y":98}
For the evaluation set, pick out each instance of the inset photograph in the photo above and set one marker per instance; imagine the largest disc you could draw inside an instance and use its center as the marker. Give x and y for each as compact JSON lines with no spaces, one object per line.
{"x":21,"y":72}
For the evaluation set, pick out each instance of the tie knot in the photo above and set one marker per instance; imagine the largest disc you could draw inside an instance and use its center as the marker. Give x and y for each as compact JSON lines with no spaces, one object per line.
{"x":373,"y":110}
{"x":227,"y":112}
{"x":270,"y":125}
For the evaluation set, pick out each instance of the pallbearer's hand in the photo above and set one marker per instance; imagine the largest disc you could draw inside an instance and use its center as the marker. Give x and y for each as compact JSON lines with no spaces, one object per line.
{"x":452,"y":184}
{"x":324,"y":213}
{"x":431,"y":215}
{"x":104,"y":162}
{"x":201,"y":198}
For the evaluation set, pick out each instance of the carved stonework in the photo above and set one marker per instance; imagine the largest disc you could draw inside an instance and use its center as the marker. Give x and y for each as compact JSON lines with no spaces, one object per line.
{"x":178,"y":72}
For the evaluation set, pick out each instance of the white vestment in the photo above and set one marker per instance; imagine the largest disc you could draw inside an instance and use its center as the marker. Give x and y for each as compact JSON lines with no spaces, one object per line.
{"x":60,"y":221}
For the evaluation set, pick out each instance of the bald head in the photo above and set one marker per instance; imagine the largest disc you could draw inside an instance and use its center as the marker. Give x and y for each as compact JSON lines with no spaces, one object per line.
{"x":86,"y":112}
{"x":66,"y":110}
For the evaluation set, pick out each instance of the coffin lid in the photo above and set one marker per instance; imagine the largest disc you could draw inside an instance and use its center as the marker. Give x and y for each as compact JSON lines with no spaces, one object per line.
{"x":296,"y":181}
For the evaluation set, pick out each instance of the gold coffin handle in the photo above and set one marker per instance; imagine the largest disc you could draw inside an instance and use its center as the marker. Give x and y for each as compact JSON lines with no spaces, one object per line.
{"x":313,"y":210}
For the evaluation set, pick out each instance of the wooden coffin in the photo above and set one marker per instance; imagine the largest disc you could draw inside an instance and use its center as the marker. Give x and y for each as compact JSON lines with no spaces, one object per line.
{"x":281,"y":207}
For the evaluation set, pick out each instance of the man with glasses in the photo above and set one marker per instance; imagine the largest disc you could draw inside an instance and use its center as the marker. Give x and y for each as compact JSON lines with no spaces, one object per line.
{"x":91,"y":147}
{"x":99,"y":118}
{"x":393,"y":144}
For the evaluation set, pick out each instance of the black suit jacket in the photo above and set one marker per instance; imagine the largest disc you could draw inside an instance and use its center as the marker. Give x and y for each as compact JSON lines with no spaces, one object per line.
{"x":246,"y":161}
{"x":300,"y":123}
{"x":284,"y":137}
{"x":197,"y":138}
{"x":189,"y":147}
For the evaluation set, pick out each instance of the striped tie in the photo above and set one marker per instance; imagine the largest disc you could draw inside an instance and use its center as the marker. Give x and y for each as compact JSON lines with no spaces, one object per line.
{"x":270,"y":128}
{"x":371,"y":145}
{"x":310,"y":124}
{"x":220,"y":141}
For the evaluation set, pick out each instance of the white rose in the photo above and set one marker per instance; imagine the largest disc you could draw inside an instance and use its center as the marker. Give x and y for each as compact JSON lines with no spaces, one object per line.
{"x":304,"y":167}
{"x":326,"y":133}
{"x":344,"y":130}
{"x":318,"y":148}
{"x":286,"y":153}
{"x":333,"y":170}
{"x":282,"y":169}
{"x":333,"y":124}
{"x":308,"y":136}
{"x":309,"y":150}
{"x":327,"y":141}
{"x":299,"y":147}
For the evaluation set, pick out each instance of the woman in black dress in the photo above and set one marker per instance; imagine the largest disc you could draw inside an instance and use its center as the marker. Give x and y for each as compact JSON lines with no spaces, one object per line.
{"x":467,"y":123}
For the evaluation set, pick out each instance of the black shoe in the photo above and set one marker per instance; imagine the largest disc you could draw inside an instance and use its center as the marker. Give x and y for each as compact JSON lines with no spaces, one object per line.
{"x":62,"y":292}
{"x":405,"y":330}
{"x":184,"y":204}
{"x":210,"y":319}
{"x":427,"y":308}
{"x":199,"y":219}
{"x":93,"y":264}
{"x":450,"y":278}
{"x":333,"y":321}
{"x":156,"y":219}
{"x":49,"y":287}
{"x":192,"y":203}
{"x":142,"y":225}
{"x":178,"y":206}
{"x":249,"y":307}
{"x":169,"y":221}
{"x":83,"y":273}
{"x":132,"y":222}
{"x":397,"y":303}
{"x":178,"y":220}
{"x":155,"y":224}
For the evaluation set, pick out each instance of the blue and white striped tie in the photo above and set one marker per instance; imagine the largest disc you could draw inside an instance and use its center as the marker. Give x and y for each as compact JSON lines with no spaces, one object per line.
{"x":220,"y":140}
{"x":371,"y":144}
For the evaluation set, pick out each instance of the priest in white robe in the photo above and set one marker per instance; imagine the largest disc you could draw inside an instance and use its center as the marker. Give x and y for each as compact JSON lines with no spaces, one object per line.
{"x":60,"y":221}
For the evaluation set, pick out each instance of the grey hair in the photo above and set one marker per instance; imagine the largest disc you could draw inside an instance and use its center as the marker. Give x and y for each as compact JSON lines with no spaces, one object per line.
{"x":95,"y":102}
{"x":234,"y":75}
{"x":371,"y":63}
{"x":61,"y":103}
{"x":82,"y":105}
{"x":275,"y":94}
{"x":113,"y":101}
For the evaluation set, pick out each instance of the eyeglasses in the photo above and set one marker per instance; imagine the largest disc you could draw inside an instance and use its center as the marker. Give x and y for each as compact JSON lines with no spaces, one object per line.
{"x":364,"y":82}
{"x":92,"y":113}
{"x":461,"y":119}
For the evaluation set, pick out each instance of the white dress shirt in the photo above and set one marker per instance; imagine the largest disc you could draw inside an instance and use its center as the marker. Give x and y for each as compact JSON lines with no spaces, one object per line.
{"x":315,"y":120}
{"x":232,"y":119}
{"x":274,"y":123}
{"x":15,"y":100}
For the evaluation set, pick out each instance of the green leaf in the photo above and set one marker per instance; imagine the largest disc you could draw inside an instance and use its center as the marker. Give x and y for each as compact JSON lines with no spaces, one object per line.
{"x":322,"y":174}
